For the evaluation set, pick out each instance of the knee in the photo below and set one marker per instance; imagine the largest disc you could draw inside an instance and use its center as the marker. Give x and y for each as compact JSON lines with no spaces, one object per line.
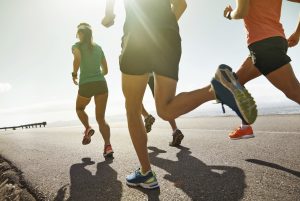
{"x":293,"y":95}
{"x":133,"y":109}
{"x":80,"y":109}
{"x":164,"y":114}
{"x":100,"y":120}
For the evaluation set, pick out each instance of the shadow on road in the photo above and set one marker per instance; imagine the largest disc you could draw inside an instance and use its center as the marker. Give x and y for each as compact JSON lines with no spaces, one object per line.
{"x":275,"y":166}
{"x":153,"y":194}
{"x":198,"y":180}
{"x":85,"y":186}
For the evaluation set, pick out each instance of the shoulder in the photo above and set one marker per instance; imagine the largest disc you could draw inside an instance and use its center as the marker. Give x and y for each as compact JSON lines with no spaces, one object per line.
{"x":98,"y":47}
{"x":76,"y":46}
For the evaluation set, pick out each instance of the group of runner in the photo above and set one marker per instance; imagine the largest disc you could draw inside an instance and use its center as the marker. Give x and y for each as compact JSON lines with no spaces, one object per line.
{"x":151,"y":51}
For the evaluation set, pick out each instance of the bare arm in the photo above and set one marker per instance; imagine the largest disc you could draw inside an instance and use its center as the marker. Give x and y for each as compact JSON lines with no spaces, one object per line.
{"x":76,"y":64}
{"x":178,"y":7}
{"x":109,"y":18}
{"x":293,"y":40}
{"x":104,"y":66}
{"x":241,"y":10}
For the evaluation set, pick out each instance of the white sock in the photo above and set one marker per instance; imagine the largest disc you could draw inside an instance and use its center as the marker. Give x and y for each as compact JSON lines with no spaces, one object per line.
{"x":243,"y":127}
{"x":144,"y":174}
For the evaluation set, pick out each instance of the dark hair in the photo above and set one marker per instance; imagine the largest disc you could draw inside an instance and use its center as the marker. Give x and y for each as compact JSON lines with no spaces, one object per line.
{"x":86,"y":30}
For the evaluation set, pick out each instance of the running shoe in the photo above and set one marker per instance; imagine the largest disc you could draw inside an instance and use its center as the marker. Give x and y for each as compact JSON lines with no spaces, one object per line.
{"x":177,"y":138}
{"x":149,"y":121}
{"x":230,"y":92}
{"x":88,"y":133}
{"x":108,"y":151}
{"x":241,"y":133}
{"x":147,"y":181}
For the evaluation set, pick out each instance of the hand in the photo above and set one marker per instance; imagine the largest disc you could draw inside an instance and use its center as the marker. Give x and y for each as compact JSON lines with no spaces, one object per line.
{"x":293,"y":40}
{"x":227,"y":10}
{"x":108,"y":20}
{"x":75,"y":80}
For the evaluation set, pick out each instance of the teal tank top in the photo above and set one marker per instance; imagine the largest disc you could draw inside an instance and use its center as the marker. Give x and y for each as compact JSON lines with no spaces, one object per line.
{"x":90,"y":63}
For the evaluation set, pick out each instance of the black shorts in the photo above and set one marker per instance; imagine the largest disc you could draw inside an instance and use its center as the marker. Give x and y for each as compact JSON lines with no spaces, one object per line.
{"x":269,"y":54}
{"x":91,"y":89}
{"x":159,"y":53}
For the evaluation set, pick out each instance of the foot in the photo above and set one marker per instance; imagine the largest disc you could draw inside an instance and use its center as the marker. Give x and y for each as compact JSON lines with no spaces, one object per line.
{"x":149,"y":121}
{"x":230,"y":92}
{"x":177,"y":138}
{"x":241,"y":133}
{"x":147,"y":181}
{"x":108,"y":151}
{"x":88,"y":133}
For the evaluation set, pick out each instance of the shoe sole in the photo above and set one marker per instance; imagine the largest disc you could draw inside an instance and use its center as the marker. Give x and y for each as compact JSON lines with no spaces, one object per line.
{"x":243,"y":137}
{"x":87,"y":140}
{"x":177,"y":141}
{"x":146,"y":186}
{"x":110,"y":154}
{"x":237,"y":96}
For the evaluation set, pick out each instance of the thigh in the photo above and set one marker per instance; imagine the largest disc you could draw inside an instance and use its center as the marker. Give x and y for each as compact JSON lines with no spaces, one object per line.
{"x":134,"y":87}
{"x":101,"y":102}
{"x":247,"y":71}
{"x":284,"y":78}
{"x":165,"y":90}
{"x":82,"y":102}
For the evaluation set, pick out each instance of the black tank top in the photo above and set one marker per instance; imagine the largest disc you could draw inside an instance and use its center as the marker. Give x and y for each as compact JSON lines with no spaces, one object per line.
{"x":145,"y":15}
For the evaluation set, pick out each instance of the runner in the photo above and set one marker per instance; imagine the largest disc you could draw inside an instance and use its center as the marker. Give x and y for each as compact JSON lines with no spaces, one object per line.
{"x":268,"y":50}
{"x":88,"y":56}
{"x":152,"y":44}
{"x":177,"y":135}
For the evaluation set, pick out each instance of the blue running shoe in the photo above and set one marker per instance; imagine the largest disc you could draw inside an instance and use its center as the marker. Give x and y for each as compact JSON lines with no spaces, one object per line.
{"x":147,"y":181}
{"x":230,"y":92}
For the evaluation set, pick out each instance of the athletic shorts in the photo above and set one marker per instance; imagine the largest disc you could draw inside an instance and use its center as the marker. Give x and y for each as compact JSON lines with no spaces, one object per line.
{"x":91,"y":89}
{"x":159,"y":53}
{"x":269,"y":54}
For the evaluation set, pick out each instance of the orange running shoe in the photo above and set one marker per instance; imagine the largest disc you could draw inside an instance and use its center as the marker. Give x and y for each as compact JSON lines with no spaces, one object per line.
{"x":240,"y":133}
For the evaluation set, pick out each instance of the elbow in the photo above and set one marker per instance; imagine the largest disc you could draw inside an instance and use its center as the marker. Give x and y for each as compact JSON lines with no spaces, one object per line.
{"x":76,"y":62}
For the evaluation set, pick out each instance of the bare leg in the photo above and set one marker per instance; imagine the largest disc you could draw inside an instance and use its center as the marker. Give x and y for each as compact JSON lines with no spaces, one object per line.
{"x":81,"y":104}
{"x":247,"y":72}
{"x":169,"y":106}
{"x":101,"y":101}
{"x":134,"y":89}
{"x":173,"y":124}
{"x":144,"y":112}
{"x":285,"y":80}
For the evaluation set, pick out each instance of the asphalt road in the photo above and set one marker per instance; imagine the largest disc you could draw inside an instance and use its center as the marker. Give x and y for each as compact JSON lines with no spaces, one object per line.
{"x":208,"y":166}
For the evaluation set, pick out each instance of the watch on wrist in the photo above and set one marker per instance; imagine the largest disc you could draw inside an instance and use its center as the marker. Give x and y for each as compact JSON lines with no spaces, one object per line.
{"x":74,"y":74}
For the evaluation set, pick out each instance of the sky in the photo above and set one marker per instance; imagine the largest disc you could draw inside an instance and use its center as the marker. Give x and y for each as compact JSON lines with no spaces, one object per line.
{"x":36,"y":59}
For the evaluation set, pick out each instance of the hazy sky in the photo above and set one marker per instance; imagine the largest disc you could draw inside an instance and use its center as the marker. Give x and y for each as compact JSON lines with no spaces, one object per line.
{"x":36,"y":60}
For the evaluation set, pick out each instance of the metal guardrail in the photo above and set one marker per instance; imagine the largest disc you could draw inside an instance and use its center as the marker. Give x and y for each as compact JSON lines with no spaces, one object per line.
{"x":35,"y":125}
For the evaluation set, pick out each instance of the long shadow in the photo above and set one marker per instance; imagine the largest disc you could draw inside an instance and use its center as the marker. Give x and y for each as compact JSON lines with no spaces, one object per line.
{"x":198,"y":180}
{"x":275,"y":166}
{"x":85,"y":186}
{"x":153,"y":194}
